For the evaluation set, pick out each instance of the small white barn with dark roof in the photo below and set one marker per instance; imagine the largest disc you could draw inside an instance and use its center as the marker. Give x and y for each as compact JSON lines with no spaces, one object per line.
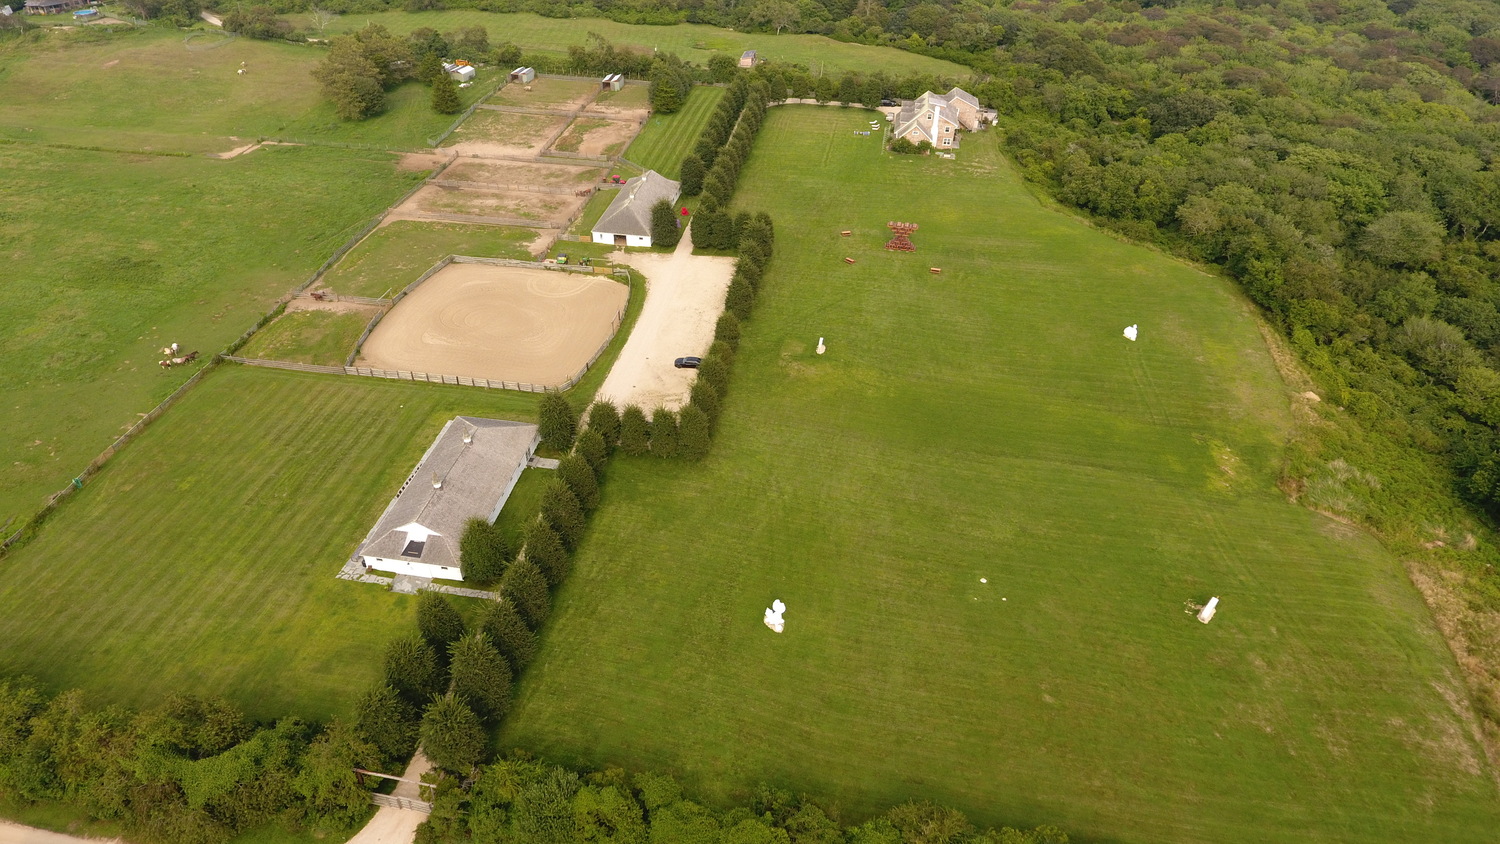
{"x":468,"y":471}
{"x":627,"y":220}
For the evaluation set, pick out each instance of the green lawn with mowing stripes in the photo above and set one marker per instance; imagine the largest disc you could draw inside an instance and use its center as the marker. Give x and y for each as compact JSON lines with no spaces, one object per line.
{"x":991,"y":422}
{"x":202,"y":559}
{"x":666,"y":139}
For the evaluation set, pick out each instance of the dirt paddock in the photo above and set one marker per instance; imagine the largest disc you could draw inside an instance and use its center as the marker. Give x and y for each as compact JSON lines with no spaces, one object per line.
{"x":501,"y":323}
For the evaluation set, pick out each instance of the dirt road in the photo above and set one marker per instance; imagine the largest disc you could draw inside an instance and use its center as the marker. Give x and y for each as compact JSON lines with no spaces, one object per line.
{"x":684,"y":297}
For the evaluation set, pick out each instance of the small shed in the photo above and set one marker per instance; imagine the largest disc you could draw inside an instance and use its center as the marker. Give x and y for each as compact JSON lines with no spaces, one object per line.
{"x":612,"y":82}
{"x":748,"y":59}
{"x":523,"y":75}
{"x":459,"y":72}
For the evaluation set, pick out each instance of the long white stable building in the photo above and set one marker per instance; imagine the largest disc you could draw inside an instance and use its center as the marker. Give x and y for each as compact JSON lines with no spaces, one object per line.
{"x":468,"y":471}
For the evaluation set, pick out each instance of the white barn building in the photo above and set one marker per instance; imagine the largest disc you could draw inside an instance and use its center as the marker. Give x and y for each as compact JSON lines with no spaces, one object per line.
{"x":459,"y":72}
{"x":468,"y":471}
{"x":627,"y":220}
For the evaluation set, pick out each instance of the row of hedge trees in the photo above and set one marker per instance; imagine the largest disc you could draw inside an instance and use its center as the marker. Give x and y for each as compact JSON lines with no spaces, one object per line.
{"x":523,"y":801}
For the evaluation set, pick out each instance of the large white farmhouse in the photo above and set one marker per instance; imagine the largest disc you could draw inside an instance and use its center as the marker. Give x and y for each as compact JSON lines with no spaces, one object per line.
{"x":627,"y":220}
{"x":468,"y":471}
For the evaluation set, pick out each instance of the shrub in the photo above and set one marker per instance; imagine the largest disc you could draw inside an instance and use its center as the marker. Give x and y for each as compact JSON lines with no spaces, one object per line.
{"x":509,"y":633}
{"x":437,"y":620}
{"x":727,"y":330}
{"x":605,"y":419}
{"x":445,"y":95}
{"x":452,"y":736}
{"x":663,"y":433}
{"x":557,"y":422}
{"x":483,"y":552}
{"x":411,"y":668}
{"x":692,"y":175}
{"x":635,"y":431}
{"x":525,"y":586}
{"x":561,"y":510}
{"x":388,"y":722}
{"x":480,"y":675}
{"x":739,"y":299}
{"x":664,"y":229}
{"x":903,"y":147}
{"x":706,"y":399}
{"x":716,"y":373}
{"x":578,"y":476}
{"x":545,"y":549}
{"x":591,"y":448}
{"x":693,"y":433}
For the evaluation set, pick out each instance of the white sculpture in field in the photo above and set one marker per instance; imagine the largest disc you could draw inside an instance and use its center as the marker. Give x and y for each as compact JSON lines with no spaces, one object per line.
{"x":1206,"y":614}
{"x":821,"y":348}
{"x":1130,"y":332}
{"x":773,"y":616}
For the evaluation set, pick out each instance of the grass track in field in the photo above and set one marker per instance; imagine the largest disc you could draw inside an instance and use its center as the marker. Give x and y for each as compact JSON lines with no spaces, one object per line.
{"x":154,"y":250}
{"x":992,"y":422}
{"x":202,"y":559}
{"x":397,"y":254}
{"x":692,"y":42}
{"x":666,"y":139}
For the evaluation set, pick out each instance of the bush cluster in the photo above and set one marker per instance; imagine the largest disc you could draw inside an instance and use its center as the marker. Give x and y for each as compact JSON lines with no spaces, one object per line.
{"x":715,"y":227}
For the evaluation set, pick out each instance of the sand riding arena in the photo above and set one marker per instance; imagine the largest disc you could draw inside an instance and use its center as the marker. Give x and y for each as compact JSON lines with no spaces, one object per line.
{"x":502,"y":323}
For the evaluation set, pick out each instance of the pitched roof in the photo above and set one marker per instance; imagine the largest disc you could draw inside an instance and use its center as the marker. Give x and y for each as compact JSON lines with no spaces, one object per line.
{"x":929,"y":103}
{"x":474,"y":477}
{"x":961,"y":94}
{"x":630,"y":213}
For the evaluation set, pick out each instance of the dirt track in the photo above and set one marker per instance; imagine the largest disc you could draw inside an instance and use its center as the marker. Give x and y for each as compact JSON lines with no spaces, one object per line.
{"x":501,"y":323}
{"x":684,"y":297}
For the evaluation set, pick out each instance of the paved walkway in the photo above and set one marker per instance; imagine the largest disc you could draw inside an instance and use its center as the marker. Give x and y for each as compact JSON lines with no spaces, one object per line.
{"x":541,"y":463}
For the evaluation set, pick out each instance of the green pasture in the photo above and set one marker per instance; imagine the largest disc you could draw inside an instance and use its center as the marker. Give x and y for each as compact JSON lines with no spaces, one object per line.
{"x":631,"y":96}
{"x":147,"y":89}
{"x":693,"y":42}
{"x":110,"y":257}
{"x":524,"y":503}
{"x":989,"y":516}
{"x":202,"y":559}
{"x":324,"y":338}
{"x":666,"y":139}
{"x":395,"y":255}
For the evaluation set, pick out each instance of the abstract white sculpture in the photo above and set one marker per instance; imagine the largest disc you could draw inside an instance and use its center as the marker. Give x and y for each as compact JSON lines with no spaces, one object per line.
{"x":773,"y":616}
{"x":1130,"y":332}
{"x":821,"y":348}
{"x":1206,"y":614}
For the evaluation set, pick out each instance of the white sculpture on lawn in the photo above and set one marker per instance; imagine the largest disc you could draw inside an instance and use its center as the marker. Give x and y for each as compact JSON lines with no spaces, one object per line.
{"x":1130,"y":332}
{"x":773,"y":616}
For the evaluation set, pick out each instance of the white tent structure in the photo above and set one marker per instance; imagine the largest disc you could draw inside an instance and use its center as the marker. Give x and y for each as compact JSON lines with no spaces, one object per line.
{"x":1130,"y":332}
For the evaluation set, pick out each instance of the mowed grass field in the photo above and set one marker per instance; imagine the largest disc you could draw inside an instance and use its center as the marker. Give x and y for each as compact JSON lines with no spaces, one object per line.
{"x":147,"y":89}
{"x":666,"y":139}
{"x":110,"y":257}
{"x":692,"y":42}
{"x":203,"y":558}
{"x":992,"y":423}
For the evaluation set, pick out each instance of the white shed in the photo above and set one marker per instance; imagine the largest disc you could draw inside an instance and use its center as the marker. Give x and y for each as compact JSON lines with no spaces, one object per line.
{"x":522,"y":75}
{"x":468,"y":471}
{"x":627,"y":220}
{"x":459,"y":72}
{"x":612,"y":82}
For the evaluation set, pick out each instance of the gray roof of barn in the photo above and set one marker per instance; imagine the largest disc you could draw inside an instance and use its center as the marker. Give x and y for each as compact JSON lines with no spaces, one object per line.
{"x":630,"y":212}
{"x":474,"y":476}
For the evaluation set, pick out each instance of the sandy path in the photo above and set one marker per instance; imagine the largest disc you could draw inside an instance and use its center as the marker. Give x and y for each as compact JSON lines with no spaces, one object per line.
{"x":14,"y":833}
{"x":500,"y":323}
{"x":684,"y":297}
